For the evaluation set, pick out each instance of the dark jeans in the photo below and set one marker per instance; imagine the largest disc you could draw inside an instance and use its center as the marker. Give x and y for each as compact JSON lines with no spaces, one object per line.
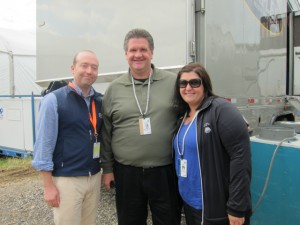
{"x":137,"y":187}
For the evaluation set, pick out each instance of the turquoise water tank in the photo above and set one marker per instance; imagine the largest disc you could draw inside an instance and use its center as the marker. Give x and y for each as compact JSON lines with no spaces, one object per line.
{"x":280,"y":204}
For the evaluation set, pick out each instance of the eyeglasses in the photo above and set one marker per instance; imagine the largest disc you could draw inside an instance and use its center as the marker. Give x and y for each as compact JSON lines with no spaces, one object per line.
{"x":194,"y":83}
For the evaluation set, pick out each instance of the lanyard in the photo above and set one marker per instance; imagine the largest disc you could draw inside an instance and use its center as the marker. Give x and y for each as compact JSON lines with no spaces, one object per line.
{"x":93,"y":117}
{"x":148,"y":95}
{"x":184,"y":136}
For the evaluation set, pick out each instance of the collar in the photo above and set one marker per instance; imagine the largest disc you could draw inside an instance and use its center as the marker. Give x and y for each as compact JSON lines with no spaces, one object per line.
{"x":207,"y":102}
{"x":79,"y":91}
{"x":126,"y":78}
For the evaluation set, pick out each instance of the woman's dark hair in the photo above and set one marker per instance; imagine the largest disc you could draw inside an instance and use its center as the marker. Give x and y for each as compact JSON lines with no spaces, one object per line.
{"x":180,"y":105}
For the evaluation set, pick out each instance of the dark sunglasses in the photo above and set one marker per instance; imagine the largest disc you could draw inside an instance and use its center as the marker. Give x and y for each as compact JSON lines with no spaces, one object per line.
{"x":194,"y":83}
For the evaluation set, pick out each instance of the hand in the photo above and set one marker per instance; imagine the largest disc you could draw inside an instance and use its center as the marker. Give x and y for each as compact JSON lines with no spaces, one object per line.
{"x":51,"y":193}
{"x":107,"y":179}
{"x":51,"y":196}
{"x":236,"y":220}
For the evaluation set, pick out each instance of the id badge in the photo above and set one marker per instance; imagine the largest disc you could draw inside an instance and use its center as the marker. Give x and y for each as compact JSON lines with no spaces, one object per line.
{"x":96,"y":150}
{"x":145,"y":126}
{"x":183,"y":168}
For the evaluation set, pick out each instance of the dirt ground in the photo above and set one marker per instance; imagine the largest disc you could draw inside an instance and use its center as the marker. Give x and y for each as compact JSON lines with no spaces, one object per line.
{"x":16,"y":175}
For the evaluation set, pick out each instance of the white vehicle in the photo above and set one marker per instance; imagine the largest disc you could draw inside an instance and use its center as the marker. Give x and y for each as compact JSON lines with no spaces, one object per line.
{"x":246,"y":45}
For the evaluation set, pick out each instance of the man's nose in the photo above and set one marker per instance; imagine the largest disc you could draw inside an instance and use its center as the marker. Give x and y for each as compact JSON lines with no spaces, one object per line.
{"x":89,"y":69}
{"x":138,"y":54}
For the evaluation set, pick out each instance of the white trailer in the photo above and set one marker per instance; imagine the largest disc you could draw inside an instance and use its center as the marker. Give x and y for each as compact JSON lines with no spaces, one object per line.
{"x":244,"y":44}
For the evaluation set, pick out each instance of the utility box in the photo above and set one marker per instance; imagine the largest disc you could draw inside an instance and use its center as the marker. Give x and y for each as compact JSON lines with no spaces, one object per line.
{"x":18,"y":118}
{"x":280,"y":205}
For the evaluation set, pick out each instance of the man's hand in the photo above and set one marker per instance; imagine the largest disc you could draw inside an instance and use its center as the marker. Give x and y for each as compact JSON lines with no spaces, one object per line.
{"x":51,"y":193}
{"x":107,"y":179}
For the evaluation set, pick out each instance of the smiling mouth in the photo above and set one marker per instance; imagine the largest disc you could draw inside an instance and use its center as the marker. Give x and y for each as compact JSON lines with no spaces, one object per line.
{"x":138,"y":63}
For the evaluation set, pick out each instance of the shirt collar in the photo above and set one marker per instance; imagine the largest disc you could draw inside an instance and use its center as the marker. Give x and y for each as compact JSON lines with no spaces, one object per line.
{"x":155,"y":76}
{"x":79,"y":91}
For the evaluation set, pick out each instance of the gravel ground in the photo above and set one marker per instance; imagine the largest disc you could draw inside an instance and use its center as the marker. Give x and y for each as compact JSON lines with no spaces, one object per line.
{"x":21,"y":201}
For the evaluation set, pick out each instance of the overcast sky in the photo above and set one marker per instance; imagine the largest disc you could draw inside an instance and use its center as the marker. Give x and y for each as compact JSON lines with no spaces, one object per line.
{"x":17,"y":14}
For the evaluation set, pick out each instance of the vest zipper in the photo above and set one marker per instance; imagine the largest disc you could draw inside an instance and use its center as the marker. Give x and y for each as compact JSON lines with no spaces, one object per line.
{"x":91,"y":138}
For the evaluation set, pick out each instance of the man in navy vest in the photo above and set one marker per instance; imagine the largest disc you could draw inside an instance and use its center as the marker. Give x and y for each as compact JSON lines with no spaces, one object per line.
{"x":67,"y":148}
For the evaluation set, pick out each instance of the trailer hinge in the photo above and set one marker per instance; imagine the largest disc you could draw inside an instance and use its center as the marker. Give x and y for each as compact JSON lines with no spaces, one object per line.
{"x":192,"y":48}
{"x":202,"y":6}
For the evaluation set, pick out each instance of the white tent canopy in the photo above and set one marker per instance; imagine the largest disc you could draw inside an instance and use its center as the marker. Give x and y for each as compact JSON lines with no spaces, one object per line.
{"x":18,"y":62}
{"x":18,"y":48}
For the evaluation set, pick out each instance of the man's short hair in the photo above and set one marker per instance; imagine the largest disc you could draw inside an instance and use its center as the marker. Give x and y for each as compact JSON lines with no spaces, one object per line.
{"x":138,"y":33}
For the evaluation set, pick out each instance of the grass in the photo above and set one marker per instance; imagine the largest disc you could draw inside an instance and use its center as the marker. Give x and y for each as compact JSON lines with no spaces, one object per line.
{"x":8,"y":163}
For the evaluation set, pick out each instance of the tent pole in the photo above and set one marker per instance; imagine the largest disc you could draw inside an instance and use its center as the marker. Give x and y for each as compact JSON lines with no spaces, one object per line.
{"x":11,"y":73}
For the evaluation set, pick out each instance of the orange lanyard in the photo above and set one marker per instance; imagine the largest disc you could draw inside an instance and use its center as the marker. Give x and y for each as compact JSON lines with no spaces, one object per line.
{"x":93,"y":117}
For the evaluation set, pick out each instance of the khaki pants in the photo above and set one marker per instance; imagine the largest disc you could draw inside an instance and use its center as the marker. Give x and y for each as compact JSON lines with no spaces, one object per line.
{"x":79,"y":198}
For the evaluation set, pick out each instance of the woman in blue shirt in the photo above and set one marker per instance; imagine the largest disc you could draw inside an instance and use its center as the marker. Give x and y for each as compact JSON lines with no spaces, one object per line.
{"x":212,"y":153}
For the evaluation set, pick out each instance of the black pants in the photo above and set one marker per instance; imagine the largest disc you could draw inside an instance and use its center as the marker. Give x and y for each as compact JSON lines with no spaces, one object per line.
{"x":192,"y":216}
{"x":137,"y":187}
